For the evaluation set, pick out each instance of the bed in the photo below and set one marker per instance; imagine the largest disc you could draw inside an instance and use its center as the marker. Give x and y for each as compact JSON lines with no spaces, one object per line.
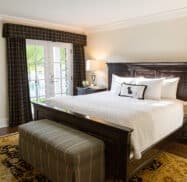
{"x":124,"y":131}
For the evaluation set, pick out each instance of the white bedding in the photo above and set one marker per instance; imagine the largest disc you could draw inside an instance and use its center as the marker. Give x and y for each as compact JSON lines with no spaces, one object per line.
{"x":151,"y":120}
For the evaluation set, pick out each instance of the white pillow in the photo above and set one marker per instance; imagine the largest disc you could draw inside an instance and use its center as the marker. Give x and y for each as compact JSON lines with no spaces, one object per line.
{"x":133,"y":90}
{"x":118,"y":80}
{"x":154,"y":87}
{"x":169,"y":88}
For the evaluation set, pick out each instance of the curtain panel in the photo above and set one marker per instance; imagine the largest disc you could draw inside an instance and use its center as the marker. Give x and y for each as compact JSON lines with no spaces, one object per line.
{"x":79,"y":69}
{"x":18,"y":88}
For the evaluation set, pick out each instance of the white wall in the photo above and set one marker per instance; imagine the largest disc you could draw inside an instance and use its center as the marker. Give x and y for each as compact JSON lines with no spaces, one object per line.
{"x":3,"y":82}
{"x":164,"y":41}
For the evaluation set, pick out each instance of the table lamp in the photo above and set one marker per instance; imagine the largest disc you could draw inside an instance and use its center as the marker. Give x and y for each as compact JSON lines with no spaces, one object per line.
{"x":93,"y":66}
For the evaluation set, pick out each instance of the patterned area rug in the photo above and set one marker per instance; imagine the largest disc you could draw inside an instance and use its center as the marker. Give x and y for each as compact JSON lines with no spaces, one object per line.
{"x":166,"y":168}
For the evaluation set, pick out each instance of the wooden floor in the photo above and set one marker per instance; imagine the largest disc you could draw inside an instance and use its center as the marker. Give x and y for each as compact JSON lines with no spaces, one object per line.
{"x":7,"y":130}
{"x":176,"y":147}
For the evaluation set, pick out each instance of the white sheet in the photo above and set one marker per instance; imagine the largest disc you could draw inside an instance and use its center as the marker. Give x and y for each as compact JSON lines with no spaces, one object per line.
{"x":151,"y":120}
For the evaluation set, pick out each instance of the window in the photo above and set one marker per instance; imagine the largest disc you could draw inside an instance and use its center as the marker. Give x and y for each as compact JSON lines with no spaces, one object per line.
{"x":49,"y":69}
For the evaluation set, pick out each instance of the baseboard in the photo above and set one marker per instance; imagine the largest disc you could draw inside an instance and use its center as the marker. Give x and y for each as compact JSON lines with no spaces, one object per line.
{"x":3,"y":122}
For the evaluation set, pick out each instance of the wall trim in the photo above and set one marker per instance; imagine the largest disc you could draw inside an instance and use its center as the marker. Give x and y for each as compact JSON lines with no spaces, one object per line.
{"x":153,"y":18}
{"x":3,"y":122}
{"x":125,"y":23}
{"x":39,"y":23}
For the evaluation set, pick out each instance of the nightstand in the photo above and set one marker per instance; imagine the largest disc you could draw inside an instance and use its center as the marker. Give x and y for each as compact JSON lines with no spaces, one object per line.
{"x":89,"y":90}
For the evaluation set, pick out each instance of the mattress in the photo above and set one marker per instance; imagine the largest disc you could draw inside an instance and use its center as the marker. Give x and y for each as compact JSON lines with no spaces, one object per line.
{"x":151,"y":120}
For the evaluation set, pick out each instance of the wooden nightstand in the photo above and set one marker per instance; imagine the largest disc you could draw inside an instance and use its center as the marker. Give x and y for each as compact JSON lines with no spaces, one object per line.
{"x":89,"y":90}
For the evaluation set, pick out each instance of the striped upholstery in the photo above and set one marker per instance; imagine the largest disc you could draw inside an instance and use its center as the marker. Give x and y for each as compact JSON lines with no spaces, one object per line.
{"x":185,"y":111}
{"x":61,"y":153}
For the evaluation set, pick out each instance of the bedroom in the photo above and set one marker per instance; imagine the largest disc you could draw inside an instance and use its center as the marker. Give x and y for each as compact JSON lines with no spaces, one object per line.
{"x":125,"y":38}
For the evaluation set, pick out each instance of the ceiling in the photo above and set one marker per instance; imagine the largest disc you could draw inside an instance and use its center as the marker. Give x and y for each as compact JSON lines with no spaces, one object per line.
{"x":87,"y":14}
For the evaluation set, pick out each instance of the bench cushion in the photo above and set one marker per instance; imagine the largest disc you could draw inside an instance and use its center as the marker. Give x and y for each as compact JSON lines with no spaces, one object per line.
{"x":73,"y":148}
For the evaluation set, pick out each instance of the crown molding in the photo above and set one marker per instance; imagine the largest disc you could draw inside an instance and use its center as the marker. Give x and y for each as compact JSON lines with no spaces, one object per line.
{"x":38,"y":23}
{"x":153,"y":18}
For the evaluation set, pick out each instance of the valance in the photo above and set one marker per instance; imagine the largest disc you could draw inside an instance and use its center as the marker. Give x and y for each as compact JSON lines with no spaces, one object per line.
{"x":29,"y":32}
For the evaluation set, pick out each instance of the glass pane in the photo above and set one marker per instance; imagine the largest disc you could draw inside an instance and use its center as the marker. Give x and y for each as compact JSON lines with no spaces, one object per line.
{"x":63,"y":74}
{"x":56,"y":54}
{"x":57,"y":70}
{"x":64,"y":85}
{"x":41,"y":87}
{"x":57,"y":86}
{"x":39,"y":52}
{"x":41,"y":99}
{"x":31,"y":71}
{"x":30,"y":53}
{"x":32,"y":88}
{"x":35,"y":54}
{"x":40,"y":71}
{"x":33,"y":99}
{"x":63,"y":58}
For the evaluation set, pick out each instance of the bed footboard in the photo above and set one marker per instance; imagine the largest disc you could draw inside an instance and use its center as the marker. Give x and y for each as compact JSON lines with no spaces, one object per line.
{"x":115,"y":137}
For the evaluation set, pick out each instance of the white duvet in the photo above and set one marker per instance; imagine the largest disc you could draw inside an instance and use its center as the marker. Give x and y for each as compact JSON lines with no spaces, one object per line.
{"x":151,"y":120}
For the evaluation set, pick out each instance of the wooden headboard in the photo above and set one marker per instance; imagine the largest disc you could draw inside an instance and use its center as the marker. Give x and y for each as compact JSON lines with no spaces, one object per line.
{"x":152,"y":70}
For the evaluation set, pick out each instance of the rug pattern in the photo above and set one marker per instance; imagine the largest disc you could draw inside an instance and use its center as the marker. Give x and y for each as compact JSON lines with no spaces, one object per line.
{"x":165,"y":168}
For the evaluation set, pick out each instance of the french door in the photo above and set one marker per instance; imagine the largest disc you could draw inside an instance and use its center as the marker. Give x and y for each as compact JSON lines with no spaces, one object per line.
{"x":50,"y":68}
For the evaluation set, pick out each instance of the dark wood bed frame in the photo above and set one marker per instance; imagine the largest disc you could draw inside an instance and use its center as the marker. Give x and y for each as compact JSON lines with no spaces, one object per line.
{"x":118,"y":165}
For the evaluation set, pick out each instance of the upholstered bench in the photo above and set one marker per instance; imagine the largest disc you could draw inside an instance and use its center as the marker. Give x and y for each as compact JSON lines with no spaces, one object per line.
{"x":61,"y":153}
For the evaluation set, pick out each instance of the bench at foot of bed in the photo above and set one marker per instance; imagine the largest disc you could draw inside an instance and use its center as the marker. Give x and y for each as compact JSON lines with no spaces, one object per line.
{"x":62,"y":153}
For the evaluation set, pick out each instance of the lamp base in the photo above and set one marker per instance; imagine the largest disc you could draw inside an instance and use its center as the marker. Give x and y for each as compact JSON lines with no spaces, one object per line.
{"x":93,"y":78}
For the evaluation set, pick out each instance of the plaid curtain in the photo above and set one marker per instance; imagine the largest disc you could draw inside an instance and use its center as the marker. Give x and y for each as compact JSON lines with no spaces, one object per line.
{"x":79,"y":72}
{"x":16,"y":35}
{"x":29,"y":32}
{"x":18,"y":89}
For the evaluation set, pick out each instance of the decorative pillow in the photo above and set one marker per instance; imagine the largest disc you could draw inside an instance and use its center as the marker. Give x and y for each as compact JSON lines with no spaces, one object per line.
{"x":169,"y":88}
{"x":117,"y":81}
{"x":133,"y":90}
{"x":154,"y":87}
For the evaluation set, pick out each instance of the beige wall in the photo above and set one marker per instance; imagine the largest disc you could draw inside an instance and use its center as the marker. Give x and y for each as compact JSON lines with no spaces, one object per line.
{"x":3,"y":81}
{"x":156,"y":41}
{"x":164,"y":41}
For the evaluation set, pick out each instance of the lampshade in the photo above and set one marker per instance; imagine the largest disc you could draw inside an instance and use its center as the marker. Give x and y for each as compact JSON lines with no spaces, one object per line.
{"x":93,"y":65}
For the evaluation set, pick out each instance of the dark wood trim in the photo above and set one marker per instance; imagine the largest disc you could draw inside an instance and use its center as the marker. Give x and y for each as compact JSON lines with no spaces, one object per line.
{"x":152,"y":70}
